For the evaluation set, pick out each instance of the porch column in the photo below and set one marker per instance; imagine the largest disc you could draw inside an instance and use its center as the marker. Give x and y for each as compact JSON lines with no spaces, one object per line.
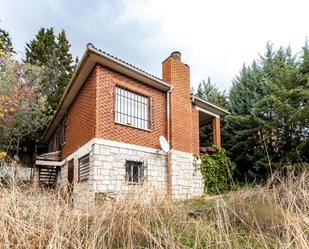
{"x":216,"y":131}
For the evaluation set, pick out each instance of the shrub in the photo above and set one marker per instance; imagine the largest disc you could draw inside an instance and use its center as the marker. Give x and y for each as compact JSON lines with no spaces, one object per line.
{"x":217,"y":170}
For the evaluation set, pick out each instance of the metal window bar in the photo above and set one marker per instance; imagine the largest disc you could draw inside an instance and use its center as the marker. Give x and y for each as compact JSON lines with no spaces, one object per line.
{"x":135,"y":171}
{"x":83,"y":168}
{"x":131,"y":108}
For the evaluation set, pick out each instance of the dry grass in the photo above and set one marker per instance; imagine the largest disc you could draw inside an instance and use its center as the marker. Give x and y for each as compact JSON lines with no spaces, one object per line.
{"x":273,"y":216}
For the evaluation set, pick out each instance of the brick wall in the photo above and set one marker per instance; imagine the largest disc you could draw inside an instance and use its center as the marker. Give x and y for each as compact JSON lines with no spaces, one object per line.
{"x":91,"y":114}
{"x":216,"y":131}
{"x":106,"y":128}
{"x":178,"y":74}
{"x":195,"y":131}
{"x":81,"y":117}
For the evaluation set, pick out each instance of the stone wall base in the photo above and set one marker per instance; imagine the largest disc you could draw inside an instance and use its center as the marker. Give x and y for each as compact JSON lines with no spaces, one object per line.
{"x":108,"y":172}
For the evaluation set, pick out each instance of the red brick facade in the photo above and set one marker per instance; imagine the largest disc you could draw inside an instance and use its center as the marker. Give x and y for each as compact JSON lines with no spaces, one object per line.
{"x":216,"y":131}
{"x":106,"y":128}
{"x":182,"y":115}
{"x":91,"y":114}
{"x":80,"y":125}
{"x":195,"y":131}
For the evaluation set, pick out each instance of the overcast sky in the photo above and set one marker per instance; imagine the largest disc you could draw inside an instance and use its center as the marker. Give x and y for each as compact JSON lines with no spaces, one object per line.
{"x":215,"y":37}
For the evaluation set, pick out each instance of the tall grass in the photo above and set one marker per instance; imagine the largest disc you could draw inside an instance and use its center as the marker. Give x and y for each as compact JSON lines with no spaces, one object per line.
{"x":271,"y":216}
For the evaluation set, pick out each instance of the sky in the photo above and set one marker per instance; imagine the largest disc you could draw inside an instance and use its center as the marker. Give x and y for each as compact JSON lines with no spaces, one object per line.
{"x":214,"y":37}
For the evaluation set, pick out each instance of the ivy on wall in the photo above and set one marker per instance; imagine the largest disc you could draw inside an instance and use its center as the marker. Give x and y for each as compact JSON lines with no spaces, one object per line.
{"x":217,"y":170}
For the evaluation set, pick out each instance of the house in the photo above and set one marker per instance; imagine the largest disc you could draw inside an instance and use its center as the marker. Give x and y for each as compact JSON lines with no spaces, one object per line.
{"x":104,"y":136}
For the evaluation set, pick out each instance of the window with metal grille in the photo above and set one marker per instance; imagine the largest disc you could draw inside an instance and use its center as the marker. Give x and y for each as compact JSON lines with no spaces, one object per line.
{"x":134,"y":171}
{"x":131,"y":108}
{"x":83,"y":168}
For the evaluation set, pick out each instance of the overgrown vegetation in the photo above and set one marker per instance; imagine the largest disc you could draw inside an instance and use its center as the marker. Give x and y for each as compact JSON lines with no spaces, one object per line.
{"x":217,"y":170}
{"x":273,"y":216}
{"x":30,"y":90}
{"x":23,"y":108}
{"x":269,"y":105}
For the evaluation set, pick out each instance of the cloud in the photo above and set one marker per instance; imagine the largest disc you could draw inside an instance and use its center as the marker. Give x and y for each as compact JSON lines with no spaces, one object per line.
{"x":215,"y":37}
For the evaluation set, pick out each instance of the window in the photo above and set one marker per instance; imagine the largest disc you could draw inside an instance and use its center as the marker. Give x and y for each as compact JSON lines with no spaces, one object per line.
{"x":62,"y":131}
{"x":131,"y":108}
{"x":83,"y":168}
{"x":134,"y":171}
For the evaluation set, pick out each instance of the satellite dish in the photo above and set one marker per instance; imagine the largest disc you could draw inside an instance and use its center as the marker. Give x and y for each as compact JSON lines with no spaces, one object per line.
{"x":164,"y":144}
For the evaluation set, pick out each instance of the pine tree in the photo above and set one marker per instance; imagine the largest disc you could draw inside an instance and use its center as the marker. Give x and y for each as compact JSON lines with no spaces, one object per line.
{"x":303,"y":146}
{"x":247,"y":89}
{"x":40,"y":50}
{"x":269,"y":103}
{"x":52,"y":52}
{"x":211,"y":93}
{"x":284,"y":109}
{"x":6,"y":42}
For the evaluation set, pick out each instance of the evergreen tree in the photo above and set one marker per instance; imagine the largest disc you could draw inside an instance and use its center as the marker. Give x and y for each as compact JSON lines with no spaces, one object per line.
{"x":303,"y":147}
{"x":51,"y":52}
{"x":247,"y":89}
{"x":242,"y":135}
{"x":269,"y":103}
{"x":42,"y":48}
{"x":6,"y":42}
{"x":211,"y":93}
{"x":284,"y":109}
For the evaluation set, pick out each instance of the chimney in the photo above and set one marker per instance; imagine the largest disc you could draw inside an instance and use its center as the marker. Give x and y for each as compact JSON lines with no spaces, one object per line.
{"x":178,"y":75}
{"x":176,"y":55}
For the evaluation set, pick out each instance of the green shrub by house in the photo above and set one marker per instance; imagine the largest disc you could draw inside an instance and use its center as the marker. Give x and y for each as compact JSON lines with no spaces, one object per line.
{"x":217,"y":170}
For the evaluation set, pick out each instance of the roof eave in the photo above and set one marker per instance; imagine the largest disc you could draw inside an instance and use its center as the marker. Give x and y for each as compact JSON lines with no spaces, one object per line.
{"x":47,"y":134}
{"x":209,"y":106}
{"x":131,"y":71}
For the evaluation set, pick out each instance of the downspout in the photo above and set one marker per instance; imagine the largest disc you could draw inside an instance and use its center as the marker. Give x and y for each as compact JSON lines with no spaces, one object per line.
{"x":168,"y":157}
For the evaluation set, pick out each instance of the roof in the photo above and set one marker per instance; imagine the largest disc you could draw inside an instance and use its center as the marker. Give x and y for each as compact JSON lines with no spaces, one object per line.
{"x":90,"y":58}
{"x":211,"y":108}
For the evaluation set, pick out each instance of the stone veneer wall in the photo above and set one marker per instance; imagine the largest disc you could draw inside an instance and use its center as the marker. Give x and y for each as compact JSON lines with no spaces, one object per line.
{"x":187,"y":180}
{"x":83,"y":191}
{"x":107,"y":171}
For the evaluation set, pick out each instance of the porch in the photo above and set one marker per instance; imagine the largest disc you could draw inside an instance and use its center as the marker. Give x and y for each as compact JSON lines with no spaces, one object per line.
{"x":209,"y":114}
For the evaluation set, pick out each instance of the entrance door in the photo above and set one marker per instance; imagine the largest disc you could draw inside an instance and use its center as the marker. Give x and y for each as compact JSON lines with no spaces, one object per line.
{"x":71,"y":176}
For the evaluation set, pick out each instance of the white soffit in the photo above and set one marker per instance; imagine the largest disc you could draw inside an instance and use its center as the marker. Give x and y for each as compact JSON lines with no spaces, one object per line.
{"x":207,"y":107}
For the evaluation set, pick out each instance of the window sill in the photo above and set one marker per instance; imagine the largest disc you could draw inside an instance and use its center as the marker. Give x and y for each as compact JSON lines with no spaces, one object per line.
{"x":132,"y":126}
{"x":135,"y":183}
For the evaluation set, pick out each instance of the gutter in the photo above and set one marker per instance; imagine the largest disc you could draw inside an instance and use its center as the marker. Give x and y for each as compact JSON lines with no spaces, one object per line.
{"x":168,"y":157}
{"x":168,"y":100}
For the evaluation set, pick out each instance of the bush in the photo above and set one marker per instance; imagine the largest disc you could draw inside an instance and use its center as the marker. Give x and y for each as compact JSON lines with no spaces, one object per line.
{"x":217,"y":170}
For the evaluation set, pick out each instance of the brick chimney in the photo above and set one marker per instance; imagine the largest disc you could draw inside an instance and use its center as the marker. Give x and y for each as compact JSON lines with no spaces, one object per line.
{"x":178,"y":75}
